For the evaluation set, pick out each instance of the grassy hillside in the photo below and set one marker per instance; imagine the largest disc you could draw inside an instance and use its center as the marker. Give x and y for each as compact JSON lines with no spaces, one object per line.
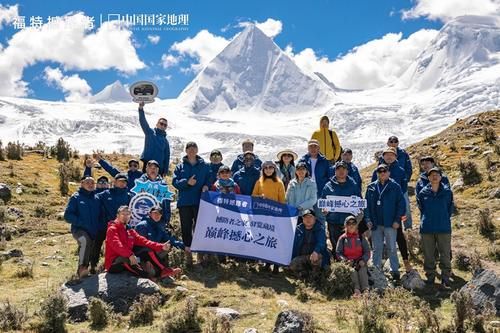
{"x":34,"y":220}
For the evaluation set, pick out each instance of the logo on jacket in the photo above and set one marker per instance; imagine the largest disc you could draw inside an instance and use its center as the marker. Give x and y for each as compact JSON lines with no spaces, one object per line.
{"x":147,"y":195}
{"x":158,"y":189}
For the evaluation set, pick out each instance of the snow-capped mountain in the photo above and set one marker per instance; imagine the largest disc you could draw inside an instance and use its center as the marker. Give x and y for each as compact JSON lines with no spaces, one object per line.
{"x":112,"y":93}
{"x":253,"y":90}
{"x":252,"y":72}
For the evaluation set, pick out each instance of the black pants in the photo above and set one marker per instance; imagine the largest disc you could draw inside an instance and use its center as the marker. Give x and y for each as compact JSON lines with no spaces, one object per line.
{"x":402,"y":245}
{"x":334,"y":232}
{"x":85,"y":246}
{"x":122,"y":264}
{"x":95,"y":252}
{"x":188,"y":215}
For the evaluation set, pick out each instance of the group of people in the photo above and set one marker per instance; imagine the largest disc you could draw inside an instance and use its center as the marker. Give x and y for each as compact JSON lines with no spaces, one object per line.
{"x":100,"y":214}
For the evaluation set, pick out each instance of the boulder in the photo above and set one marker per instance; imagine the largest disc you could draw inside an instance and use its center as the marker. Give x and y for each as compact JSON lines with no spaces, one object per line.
{"x":377,"y":279}
{"x":5,"y":193}
{"x":484,"y":287}
{"x":13,"y":253}
{"x":227,"y":312}
{"x":292,"y":321}
{"x":412,"y":280}
{"x":118,"y":290}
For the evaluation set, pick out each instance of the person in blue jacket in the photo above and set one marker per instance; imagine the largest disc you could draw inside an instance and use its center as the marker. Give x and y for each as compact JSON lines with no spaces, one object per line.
{"x":352,"y":169}
{"x":427,"y":163}
{"x":156,"y":145}
{"x":384,"y":212}
{"x":435,"y":202}
{"x":110,"y":200}
{"x":155,"y":231}
{"x":215,"y":164}
{"x":248,"y":175}
{"x":319,"y":169}
{"x":191,"y":178}
{"x":246,"y":145}
{"x":133,"y":171}
{"x":152,"y":174}
{"x":339,"y":185}
{"x":309,"y":246}
{"x":82,"y":212}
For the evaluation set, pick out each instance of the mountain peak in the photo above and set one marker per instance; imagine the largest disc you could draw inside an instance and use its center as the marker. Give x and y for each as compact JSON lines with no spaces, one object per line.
{"x":252,"y":72}
{"x":112,"y":93}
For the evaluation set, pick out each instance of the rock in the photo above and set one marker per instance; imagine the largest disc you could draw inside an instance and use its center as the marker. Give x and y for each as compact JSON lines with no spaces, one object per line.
{"x":38,"y":241}
{"x":14,"y":253}
{"x":458,"y":184}
{"x":470,"y":147}
{"x":181,"y":289}
{"x":44,"y":263}
{"x":227,"y":312}
{"x":473,"y":121}
{"x":488,"y":152}
{"x":291,"y":322}
{"x":184,"y":277}
{"x":250,"y":330}
{"x":377,"y":279}
{"x":5,"y":193}
{"x":119,"y":290}
{"x":282,"y":303}
{"x":494,"y":323}
{"x":434,"y":146}
{"x":484,"y":287}
{"x":60,"y":216}
{"x":495,"y":194}
{"x":15,"y":212}
{"x":412,"y":280}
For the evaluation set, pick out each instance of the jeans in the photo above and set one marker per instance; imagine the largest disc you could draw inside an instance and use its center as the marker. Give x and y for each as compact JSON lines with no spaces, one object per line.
{"x":408,"y":223}
{"x":388,"y":234}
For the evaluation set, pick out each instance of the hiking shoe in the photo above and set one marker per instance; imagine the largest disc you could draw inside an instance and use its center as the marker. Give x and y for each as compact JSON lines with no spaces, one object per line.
{"x":395,"y":276}
{"x":149,"y":268}
{"x":83,"y":271}
{"x":445,"y":282}
{"x":92,"y":270}
{"x":276,"y":269}
{"x":170,"y":272}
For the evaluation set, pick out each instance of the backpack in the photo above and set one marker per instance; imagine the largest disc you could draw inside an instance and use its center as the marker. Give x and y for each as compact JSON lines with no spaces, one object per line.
{"x":333,"y":145}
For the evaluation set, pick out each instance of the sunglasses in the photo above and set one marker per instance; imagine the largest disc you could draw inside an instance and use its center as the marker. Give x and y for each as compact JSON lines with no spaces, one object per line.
{"x":133,"y":165}
{"x":163,"y":124}
{"x":102,"y":182}
{"x":381,"y":171}
{"x":393,"y":141}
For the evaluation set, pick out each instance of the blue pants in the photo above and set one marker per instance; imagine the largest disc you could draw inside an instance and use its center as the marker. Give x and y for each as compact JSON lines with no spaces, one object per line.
{"x":387,"y":234}
{"x":408,"y":224}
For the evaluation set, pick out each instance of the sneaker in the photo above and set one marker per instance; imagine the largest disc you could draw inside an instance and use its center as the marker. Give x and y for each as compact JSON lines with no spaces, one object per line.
{"x":92,"y":270}
{"x":396,"y":276}
{"x":445,"y":282}
{"x":83,"y":271}
{"x":167,"y":281}
{"x":170,"y":272}
{"x":276,"y":269}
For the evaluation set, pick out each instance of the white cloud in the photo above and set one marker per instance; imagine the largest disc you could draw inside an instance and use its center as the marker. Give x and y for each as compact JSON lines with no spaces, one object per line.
{"x":7,"y":14}
{"x":445,"y":10}
{"x":74,"y":87}
{"x":169,"y":60}
{"x":371,"y":65}
{"x":69,"y":43}
{"x":154,"y":39}
{"x":270,"y":27}
{"x":203,"y":47}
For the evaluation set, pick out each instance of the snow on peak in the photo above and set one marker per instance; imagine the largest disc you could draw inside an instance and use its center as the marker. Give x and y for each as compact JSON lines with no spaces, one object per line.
{"x":112,"y":93}
{"x":462,"y":47}
{"x":252,"y":72}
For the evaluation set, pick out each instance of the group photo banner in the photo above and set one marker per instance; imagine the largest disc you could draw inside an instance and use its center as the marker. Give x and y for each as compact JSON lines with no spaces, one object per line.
{"x":245,"y":226}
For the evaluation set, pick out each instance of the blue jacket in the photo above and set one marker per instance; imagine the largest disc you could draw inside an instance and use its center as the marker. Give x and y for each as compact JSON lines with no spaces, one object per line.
{"x":165,"y":204}
{"x":132,"y":175}
{"x":156,"y":232}
{"x":214,"y":169}
{"x":397,"y":174}
{"x":424,"y":180}
{"x":353,"y":172}
{"x":435,"y":209}
{"x":190,"y":195}
{"x":246,"y":179}
{"x":238,"y":163}
{"x":156,"y":146}
{"x":110,"y":200}
{"x":319,"y":235}
{"x":392,"y":204}
{"x":303,"y":195}
{"x":404,"y":162}
{"x":82,"y":212}
{"x":346,"y":189}
{"x":322,"y":172}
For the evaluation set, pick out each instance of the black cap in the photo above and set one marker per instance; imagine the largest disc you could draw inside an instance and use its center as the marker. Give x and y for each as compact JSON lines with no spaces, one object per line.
{"x":382,"y":167}
{"x":435,"y":169}
{"x":347,"y":151}
{"x":301,"y":165}
{"x":427,"y":159}
{"x":153,"y":162}
{"x":393,"y":138}
{"x":103,"y":178}
{"x":121,"y":176}
{"x":224,"y":168}
{"x":215,"y":152}
{"x":308,"y":212}
{"x":133,"y":160}
{"x":157,"y":208}
{"x":341,"y":164}
{"x":191,"y":144}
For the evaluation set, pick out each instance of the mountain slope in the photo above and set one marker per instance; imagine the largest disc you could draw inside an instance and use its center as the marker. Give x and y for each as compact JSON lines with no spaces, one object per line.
{"x":112,"y":93}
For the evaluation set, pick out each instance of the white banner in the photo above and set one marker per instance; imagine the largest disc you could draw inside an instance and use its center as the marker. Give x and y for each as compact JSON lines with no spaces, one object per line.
{"x":338,"y":204}
{"x":245,"y":226}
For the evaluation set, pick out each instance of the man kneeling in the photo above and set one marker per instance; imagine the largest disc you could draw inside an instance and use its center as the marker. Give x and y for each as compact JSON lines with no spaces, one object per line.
{"x":309,"y":247}
{"x":120,"y":241}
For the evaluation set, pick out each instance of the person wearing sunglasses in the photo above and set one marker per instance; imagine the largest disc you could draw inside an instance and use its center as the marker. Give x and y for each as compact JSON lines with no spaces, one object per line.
{"x":156,"y":145}
{"x":239,"y":163}
{"x":385,"y":208}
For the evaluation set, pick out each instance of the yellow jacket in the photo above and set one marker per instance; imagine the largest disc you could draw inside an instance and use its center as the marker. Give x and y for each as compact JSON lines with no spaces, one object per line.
{"x":273,"y":190}
{"x":325,"y":143}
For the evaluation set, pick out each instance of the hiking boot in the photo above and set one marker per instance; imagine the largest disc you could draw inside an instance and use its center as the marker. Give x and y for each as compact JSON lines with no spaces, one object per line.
{"x":445,"y":282}
{"x":276,"y":269}
{"x":170,"y":272}
{"x":92,"y":270}
{"x":83,"y":271}
{"x":430,"y":281}
{"x":395,"y":276}
{"x":149,"y":268}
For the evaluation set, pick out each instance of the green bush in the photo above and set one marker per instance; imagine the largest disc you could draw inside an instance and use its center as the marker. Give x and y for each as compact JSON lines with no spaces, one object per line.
{"x":99,"y":313}
{"x":11,"y":318}
{"x":469,"y":173}
{"x":14,"y":151}
{"x":142,"y":310}
{"x":186,"y":320}
{"x":53,"y":313}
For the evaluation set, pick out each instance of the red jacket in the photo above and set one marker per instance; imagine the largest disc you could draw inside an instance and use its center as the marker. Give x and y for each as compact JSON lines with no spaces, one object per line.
{"x":120,"y":241}
{"x":353,"y":247}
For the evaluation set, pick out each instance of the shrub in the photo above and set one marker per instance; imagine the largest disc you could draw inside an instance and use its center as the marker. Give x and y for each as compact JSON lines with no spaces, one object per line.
{"x":338,"y":281}
{"x":489,"y":135}
{"x":54,"y":312}
{"x":11,"y":318}
{"x":464,"y":317}
{"x":25,"y":270}
{"x":64,"y":179}
{"x":2,"y":155}
{"x":185,"y":320}
{"x":99,"y":313}
{"x":267,"y":292}
{"x":40,"y":211}
{"x":485,"y":224}
{"x":62,"y":150}
{"x":469,"y":172}
{"x":14,"y":151}
{"x":429,"y":320}
{"x":372,"y":317}
{"x":453,"y":146}
{"x":465,"y":262}
{"x":142,"y":310}
{"x":218,"y":325}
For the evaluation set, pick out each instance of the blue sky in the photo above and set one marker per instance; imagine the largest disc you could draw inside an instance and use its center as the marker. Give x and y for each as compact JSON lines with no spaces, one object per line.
{"x":330,"y":28}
